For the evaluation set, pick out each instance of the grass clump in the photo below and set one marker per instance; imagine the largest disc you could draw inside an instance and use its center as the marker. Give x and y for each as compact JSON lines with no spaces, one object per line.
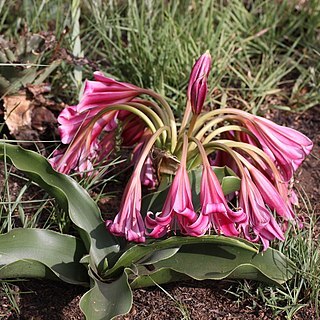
{"x":259,"y":48}
{"x":303,"y":290}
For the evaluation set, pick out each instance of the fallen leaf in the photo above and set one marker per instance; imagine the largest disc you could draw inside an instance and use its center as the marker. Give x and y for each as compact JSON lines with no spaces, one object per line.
{"x":17,"y":112}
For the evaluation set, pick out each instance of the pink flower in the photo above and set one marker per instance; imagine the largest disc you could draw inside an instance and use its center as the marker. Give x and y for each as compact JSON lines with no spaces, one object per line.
{"x":72,"y":158}
{"x":198,"y":95}
{"x":260,"y":223}
{"x":214,"y":208}
{"x":86,"y":148}
{"x":148,"y":172}
{"x":285,"y":146}
{"x":197,"y":88}
{"x":128,"y":222}
{"x":270,"y":194}
{"x":98,"y":95}
{"x":104,"y":91}
{"x":178,"y":208}
{"x":71,"y":121}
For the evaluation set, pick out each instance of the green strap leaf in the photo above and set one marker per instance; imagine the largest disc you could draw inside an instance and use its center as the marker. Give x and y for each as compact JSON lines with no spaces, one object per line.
{"x":82,"y":210}
{"x":33,"y":252}
{"x":137,"y":252}
{"x":217,"y":261}
{"x":107,"y":300}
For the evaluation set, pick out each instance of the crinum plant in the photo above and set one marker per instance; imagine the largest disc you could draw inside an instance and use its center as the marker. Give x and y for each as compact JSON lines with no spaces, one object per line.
{"x":199,"y":198}
{"x":262,"y":154}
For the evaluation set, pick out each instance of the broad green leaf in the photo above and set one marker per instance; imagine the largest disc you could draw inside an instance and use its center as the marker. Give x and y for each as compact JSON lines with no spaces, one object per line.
{"x":230,"y":184}
{"x":158,"y":255}
{"x":83,"y":211}
{"x":29,"y":269}
{"x":107,"y":300}
{"x":136,"y":253}
{"x":161,"y":276}
{"x":218,"y":261}
{"x":31,"y":252}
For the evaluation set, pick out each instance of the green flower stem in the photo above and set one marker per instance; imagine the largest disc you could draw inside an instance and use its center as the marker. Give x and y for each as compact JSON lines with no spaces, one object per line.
{"x":206,"y":116}
{"x":173,"y":125}
{"x":243,"y":160}
{"x":148,"y":147}
{"x":249,"y":165}
{"x":246,"y":146}
{"x":153,"y":115}
{"x":222,"y":146}
{"x":207,"y":126}
{"x":164,"y":116}
{"x":220,"y":130}
{"x":192,"y":124}
{"x":186,"y":117}
{"x":202,"y":150}
{"x":204,"y":129}
{"x":131,"y":109}
{"x":253,"y":151}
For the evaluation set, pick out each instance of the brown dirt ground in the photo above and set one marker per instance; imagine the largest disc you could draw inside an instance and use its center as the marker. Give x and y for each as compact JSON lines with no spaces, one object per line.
{"x":42,"y":300}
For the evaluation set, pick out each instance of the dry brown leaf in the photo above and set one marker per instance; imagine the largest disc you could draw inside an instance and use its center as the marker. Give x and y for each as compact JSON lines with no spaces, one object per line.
{"x":17,"y":112}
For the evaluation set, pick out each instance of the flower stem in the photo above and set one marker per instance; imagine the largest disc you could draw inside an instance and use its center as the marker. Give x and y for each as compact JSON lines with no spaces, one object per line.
{"x":202,"y":150}
{"x":216,"y":132}
{"x":173,"y":125}
{"x":192,"y":124}
{"x":148,"y":147}
{"x":153,"y":115}
{"x":204,"y":117}
{"x":185,"y":119}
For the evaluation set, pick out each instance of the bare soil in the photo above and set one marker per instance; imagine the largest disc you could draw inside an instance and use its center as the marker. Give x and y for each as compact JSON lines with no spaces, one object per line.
{"x":199,"y":300}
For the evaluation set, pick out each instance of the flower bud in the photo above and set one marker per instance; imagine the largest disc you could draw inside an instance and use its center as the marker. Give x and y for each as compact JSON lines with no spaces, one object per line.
{"x":198,"y":94}
{"x":197,"y":88}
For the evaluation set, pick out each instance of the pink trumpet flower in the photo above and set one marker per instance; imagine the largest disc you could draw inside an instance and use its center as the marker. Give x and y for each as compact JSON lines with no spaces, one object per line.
{"x":128,"y":223}
{"x":214,"y":208}
{"x":97,"y":95}
{"x":71,"y":121}
{"x":271,"y":195}
{"x":85,"y":148}
{"x":285,"y":146}
{"x":260,"y":223}
{"x":104,"y":91}
{"x":214,"y":204}
{"x":178,"y":207}
{"x":197,"y":88}
{"x":148,"y":172}
{"x":215,"y":211}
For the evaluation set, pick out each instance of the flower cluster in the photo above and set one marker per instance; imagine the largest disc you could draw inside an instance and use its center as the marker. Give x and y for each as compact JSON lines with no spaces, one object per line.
{"x":261,"y":153}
